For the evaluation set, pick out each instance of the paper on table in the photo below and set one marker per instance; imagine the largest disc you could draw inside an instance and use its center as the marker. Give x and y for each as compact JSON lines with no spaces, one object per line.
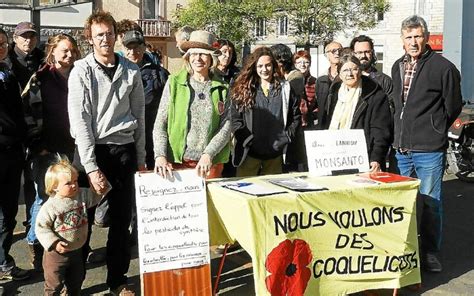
{"x":250,"y":188}
{"x":296,"y":184}
{"x":361,"y":181}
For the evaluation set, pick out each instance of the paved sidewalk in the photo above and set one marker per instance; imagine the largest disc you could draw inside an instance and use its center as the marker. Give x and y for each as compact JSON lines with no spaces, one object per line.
{"x":457,"y":277}
{"x":236,"y":278}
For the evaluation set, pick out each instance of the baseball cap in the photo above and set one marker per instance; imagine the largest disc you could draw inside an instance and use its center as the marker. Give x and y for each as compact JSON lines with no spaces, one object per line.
{"x":24,"y":27}
{"x":133,"y":37}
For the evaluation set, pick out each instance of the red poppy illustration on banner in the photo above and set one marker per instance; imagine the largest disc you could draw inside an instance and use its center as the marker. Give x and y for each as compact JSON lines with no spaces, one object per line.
{"x":287,"y":264}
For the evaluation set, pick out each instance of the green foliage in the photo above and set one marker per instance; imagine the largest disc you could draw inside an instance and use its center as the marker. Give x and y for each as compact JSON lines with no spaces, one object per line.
{"x":231,"y":19}
{"x":317,"y":21}
{"x":310,"y":21}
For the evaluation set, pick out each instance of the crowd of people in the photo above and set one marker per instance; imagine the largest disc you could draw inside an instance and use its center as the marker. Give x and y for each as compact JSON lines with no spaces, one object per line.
{"x":68,"y":122}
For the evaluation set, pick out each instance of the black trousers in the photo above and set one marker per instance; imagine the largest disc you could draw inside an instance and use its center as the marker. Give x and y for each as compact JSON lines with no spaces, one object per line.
{"x":119,"y":164}
{"x":11,"y":165}
{"x":151,"y":110}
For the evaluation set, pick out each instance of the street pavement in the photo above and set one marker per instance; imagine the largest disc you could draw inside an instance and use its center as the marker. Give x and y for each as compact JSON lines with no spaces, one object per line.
{"x":457,"y":256}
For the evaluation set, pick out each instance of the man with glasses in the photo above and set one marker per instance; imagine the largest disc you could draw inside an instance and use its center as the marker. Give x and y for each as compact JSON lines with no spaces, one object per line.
{"x":363,"y":48}
{"x":427,"y":98}
{"x":332,"y":51}
{"x":24,"y":55}
{"x":25,"y":59}
{"x":107,"y":115}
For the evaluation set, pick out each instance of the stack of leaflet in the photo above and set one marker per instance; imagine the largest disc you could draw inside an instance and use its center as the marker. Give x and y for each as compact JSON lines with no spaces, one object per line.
{"x":251,"y":188}
{"x":296,"y":184}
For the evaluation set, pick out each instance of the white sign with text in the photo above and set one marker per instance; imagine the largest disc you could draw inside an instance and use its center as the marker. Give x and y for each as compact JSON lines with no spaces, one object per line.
{"x":173,"y":230}
{"x":332,"y":152}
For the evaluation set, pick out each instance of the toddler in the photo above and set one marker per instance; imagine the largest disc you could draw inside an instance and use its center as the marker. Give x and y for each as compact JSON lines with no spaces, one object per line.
{"x":61,"y":228}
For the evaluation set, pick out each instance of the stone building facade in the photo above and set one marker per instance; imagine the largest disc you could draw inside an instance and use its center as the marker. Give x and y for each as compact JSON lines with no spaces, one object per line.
{"x":386,"y":34}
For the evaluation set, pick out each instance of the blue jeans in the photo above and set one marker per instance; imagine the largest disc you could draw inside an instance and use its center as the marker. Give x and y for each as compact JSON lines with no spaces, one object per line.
{"x":34,"y":210}
{"x":39,"y":165}
{"x":429,"y":168}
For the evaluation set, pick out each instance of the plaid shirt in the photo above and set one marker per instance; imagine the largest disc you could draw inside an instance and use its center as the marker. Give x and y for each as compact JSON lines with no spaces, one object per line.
{"x":410,"y":70}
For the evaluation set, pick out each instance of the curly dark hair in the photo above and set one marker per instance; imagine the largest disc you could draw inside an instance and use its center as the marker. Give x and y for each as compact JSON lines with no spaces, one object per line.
{"x":283,"y":55}
{"x":224,"y":42}
{"x":127,"y":25}
{"x":244,"y":89}
{"x":362,"y":38}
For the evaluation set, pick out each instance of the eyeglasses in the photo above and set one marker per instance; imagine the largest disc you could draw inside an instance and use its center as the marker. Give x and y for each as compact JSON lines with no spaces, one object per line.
{"x":302,"y":63}
{"x":364,"y":52}
{"x":334,"y":51}
{"x":349,"y":71}
{"x":4,"y":45}
{"x":101,"y":36}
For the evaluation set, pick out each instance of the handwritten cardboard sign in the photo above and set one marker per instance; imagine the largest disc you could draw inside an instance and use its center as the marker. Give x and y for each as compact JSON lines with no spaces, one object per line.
{"x":172,"y":221}
{"x":333,"y":151}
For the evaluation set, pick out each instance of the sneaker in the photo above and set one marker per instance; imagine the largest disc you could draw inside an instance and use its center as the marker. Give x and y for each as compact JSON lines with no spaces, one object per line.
{"x":431,"y":263}
{"x":122,"y":290}
{"x":15,"y":274}
{"x":95,"y":257}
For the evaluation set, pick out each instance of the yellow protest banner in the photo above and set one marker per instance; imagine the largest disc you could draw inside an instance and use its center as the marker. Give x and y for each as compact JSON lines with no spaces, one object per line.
{"x":353,"y":237}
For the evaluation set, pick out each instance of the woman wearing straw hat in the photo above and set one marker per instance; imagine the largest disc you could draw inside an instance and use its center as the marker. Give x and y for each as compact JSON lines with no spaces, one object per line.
{"x":192,"y":128}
